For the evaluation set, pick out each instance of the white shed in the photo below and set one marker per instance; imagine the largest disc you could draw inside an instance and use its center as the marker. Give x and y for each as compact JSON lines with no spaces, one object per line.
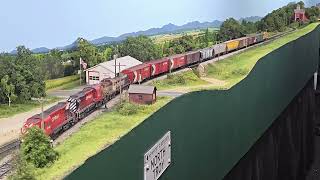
{"x":107,"y":69}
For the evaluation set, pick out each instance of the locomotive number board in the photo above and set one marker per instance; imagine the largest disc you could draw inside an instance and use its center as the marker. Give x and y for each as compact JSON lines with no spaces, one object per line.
{"x":158,"y":158}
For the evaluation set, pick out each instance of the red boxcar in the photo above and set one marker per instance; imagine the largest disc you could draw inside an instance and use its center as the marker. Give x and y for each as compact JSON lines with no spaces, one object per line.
{"x":159,"y":66}
{"x":53,"y":120}
{"x":178,"y":61}
{"x":138,"y":73}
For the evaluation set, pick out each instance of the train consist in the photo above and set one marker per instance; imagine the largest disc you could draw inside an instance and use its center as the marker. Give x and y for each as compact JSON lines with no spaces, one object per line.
{"x":65,"y":114}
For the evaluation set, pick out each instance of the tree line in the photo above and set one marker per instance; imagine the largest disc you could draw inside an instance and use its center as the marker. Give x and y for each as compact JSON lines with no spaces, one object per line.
{"x":277,"y":21}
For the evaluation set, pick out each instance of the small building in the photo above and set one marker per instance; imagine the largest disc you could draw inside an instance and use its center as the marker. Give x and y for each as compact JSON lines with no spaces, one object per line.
{"x":108,"y":69}
{"x":300,"y":14}
{"x":142,"y":94}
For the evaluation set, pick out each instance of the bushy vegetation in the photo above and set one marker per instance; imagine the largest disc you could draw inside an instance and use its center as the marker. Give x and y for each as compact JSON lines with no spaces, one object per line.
{"x":20,"y":76}
{"x":95,"y":136}
{"x":37,"y":149}
{"x":54,"y":83}
{"x":127,"y":109}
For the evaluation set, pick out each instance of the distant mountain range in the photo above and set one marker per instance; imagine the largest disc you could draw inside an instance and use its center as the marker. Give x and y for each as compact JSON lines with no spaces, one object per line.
{"x":169,"y":28}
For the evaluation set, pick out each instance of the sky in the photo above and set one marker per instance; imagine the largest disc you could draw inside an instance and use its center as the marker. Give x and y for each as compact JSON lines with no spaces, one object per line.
{"x":54,"y":23}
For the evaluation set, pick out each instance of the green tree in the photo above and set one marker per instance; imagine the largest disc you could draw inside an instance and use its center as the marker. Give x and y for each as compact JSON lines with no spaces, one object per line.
{"x":230,"y":29}
{"x":107,"y":54}
{"x":52,"y":64}
{"x":141,"y":48}
{"x":88,"y":52}
{"x":8,"y":89}
{"x":37,"y":149}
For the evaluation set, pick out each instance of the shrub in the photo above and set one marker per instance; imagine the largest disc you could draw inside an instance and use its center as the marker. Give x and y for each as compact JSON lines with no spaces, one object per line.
{"x":127,"y":109}
{"x":36,"y":148}
{"x":176,"y":79}
{"x":23,"y":170}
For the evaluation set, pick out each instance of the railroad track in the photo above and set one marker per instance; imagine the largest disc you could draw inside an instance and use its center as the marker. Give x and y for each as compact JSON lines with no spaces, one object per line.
{"x":9,"y":147}
{"x":5,"y":150}
{"x":4,"y":169}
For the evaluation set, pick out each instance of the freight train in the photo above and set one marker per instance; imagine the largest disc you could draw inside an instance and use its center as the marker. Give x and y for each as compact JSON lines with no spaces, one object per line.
{"x":62,"y":116}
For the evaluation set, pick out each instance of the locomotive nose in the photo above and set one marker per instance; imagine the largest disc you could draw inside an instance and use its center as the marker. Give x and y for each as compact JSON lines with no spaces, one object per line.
{"x":24,"y":129}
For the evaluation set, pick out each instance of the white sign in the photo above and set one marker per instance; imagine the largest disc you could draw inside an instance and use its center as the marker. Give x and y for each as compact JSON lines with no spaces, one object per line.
{"x":158,"y":158}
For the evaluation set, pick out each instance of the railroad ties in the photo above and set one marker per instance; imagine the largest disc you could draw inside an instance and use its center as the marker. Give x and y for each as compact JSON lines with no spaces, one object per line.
{"x":5,"y":150}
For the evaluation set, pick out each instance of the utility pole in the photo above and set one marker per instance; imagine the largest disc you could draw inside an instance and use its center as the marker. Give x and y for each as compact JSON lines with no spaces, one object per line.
{"x":80,"y":69}
{"x":41,"y":101}
{"x":115,"y":68}
{"x":115,"y":64}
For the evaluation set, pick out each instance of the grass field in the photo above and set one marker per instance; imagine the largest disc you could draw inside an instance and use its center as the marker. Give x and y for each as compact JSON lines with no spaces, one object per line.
{"x":159,"y":39}
{"x":187,"y":78}
{"x":6,"y":111}
{"x":62,"y":83}
{"x":235,"y":68}
{"x":96,"y":135}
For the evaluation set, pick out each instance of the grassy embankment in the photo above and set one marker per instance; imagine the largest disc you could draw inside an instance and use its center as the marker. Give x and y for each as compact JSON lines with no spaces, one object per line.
{"x":68,"y":82}
{"x":231,"y":70}
{"x":96,"y":135}
{"x":6,"y":111}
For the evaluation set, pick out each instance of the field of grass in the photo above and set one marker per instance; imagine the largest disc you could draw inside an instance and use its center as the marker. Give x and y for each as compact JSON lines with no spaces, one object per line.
{"x":6,"y":111}
{"x":69,"y":81}
{"x":159,"y":39}
{"x":96,"y":135}
{"x":188,"y":78}
{"x":233,"y":69}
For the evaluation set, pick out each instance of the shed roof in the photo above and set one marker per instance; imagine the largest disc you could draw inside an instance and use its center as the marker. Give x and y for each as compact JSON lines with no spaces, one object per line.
{"x":139,"y":89}
{"x":125,"y":62}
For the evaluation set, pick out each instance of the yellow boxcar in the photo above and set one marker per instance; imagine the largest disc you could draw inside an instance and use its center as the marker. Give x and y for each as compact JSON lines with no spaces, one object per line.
{"x":232,"y":45}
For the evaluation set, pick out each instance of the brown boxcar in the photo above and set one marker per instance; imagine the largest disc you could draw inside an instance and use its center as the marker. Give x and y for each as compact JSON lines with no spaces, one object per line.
{"x":243,"y":42}
{"x":193,"y":57}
